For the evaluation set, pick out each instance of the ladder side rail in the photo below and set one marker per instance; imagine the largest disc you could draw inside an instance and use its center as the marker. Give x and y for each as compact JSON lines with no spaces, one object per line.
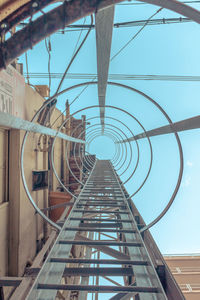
{"x":50,"y":272}
{"x":145,"y":276}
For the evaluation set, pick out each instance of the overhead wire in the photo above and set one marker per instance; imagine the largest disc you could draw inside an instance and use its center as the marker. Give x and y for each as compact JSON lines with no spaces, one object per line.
{"x":69,"y":65}
{"x":79,"y":37}
{"x":135,"y":35}
{"x":26,"y":59}
{"x":27,"y":74}
{"x":120,"y":50}
{"x":63,"y":77}
{"x":144,"y":3}
{"x":73,"y":53}
{"x":90,"y":76}
{"x":161,"y":21}
{"x":48,"y":47}
{"x":72,"y":59}
{"x":71,"y":103}
{"x":26,"y":55}
{"x":81,"y":92}
{"x":27,"y":71}
{"x":152,"y":77}
{"x":124,"y":46}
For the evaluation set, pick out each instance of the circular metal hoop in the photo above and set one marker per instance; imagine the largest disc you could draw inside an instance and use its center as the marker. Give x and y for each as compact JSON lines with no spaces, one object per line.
{"x":149,"y":99}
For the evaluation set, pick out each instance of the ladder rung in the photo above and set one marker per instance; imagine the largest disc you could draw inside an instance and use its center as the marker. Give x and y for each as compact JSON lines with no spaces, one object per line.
{"x":99,"y":261}
{"x":109,"y":205}
{"x":100,"y":204}
{"x":86,"y":271}
{"x":98,"y":288}
{"x":101,"y":211}
{"x":98,"y":200}
{"x":101,"y":229}
{"x":10,"y":281}
{"x":103,"y":189}
{"x":101,"y":220}
{"x":100,"y":225}
{"x":105,"y":198}
{"x":76,"y":271}
{"x":102,"y":243}
{"x":101,"y":181}
{"x":57,"y":206}
{"x":110,"y":194}
{"x":102,"y":184}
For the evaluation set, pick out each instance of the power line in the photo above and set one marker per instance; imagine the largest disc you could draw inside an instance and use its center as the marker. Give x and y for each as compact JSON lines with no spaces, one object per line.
{"x":48,"y":48}
{"x":135,"y":35}
{"x":144,"y":3}
{"x":160,"y":21}
{"x":79,"y":37}
{"x":73,"y":57}
{"x":27,"y":74}
{"x":90,"y":76}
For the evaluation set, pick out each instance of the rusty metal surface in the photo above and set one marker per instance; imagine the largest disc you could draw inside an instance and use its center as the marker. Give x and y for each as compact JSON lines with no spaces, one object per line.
{"x":17,"y":15}
{"x":7,"y":7}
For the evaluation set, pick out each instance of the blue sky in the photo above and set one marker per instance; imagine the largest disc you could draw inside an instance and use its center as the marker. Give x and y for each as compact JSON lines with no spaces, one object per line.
{"x":158,"y":50}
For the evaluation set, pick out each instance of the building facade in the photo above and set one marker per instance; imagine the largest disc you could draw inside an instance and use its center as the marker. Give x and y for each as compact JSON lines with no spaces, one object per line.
{"x":186,"y":270}
{"x":22,"y":231}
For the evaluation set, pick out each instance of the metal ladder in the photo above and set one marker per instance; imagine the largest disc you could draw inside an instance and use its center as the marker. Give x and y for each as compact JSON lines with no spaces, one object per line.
{"x":100,"y":208}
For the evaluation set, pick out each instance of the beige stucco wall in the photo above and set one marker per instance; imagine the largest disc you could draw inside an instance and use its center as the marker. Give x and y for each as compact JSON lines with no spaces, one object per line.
{"x":31,"y":225}
{"x":3,"y":164}
{"x":20,"y":227}
{"x":186,"y":271}
{"x":3,"y":238}
{"x":3,"y":205}
{"x":183,"y":261}
{"x":57,"y":149}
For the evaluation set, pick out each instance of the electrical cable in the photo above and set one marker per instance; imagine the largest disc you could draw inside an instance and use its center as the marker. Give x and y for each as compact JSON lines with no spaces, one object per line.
{"x":27,"y":71}
{"x":63,"y":77}
{"x":69,"y":65}
{"x":134,"y":23}
{"x":85,"y":86}
{"x":78,"y":38}
{"x":73,"y":101}
{"x":48,"y":47}
{"x":143,"y":3}
{"x":135,"y":35}
{"x":81,"y":92}
{"x":131,"y":77}
{"x":72,"y":59}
